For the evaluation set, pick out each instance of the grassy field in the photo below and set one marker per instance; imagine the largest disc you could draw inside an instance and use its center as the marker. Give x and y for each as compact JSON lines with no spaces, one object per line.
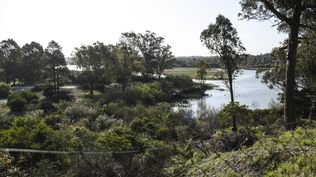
{"x":191,"y":72}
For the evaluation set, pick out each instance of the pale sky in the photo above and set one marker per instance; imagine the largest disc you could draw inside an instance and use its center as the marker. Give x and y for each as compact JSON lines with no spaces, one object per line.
{"x":75,"y":22}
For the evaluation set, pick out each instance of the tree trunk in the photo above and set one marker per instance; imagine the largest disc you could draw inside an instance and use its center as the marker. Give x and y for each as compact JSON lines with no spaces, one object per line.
{"x":54,"y":78}
{"x":289,"y":102}
{"x":231,"y":91}
{"x":7,"y":76}
{"x":57,"y":81}
{"x":124,"y":83}
{"x":312,"y":112}
{"x":91,"y":87}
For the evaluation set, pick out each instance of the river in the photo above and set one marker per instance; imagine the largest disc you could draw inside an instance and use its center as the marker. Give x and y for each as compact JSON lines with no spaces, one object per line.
{"x":249,"y":90}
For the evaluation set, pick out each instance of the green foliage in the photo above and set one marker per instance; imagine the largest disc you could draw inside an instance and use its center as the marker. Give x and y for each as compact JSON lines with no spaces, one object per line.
{"x":103,"y":122}
{"x":126,"y":58}
{"x":16,"y":103}
{"x":241,"y":112}
{"x":56,"y":64}
{"x":26,"y":132}
{"x":143,"y":125}
{"x":277,"y":156}
{"x":201,"y":72}
{"x":148,"y":94}
{"x":95,"y":60}
{"x":156,"y":57}
{"x":53,"y":120}
{"x":10,"y":59}
{"x":180,"y":82}
{"x":113,"y":142}
{"x":47,"y":106}
{"x":165,"y":60}
{"x":46,"y":168}
{"x":246,"y":117}
{"x":5,"y":90}
{"x":29,"y":96}
{"x":77,"y":112}
{"x":32,"y":64}
{"x":298,"y":166}
{"x":48,"y":90}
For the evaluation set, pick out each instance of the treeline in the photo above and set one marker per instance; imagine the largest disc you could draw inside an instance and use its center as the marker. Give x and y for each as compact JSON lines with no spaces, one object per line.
{"x":251,"y":61}
{"x":100,"y":63}
{"x":31,"y":63}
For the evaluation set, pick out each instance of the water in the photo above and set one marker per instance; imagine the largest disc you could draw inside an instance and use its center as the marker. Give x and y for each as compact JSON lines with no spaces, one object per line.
{"x":248,"y":91}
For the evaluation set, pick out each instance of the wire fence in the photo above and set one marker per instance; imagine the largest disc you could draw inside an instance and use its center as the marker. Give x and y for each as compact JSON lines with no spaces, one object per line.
{"x":288,"y":153}
{"x":105,"y":163}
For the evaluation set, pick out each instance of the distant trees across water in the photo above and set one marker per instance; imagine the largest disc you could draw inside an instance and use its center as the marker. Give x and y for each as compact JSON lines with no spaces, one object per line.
{"x":252,"y":61}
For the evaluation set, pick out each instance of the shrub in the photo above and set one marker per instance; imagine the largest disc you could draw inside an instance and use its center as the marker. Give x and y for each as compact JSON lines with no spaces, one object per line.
{"x":5,"y":90}
{"x":119,"y":111}
{"x":47,"y":106}
{"x":29,"y":96}
{"x":143,"y":125}
{"x":180,"y":82}
{"x":150,"y":93}
{"x":16,"y":103}
{"x":48,"y":90}
{"x":26,"y":132}
{"x":103,"y":122}
{"x":113,"y":141}
{"x":62,"y":95}
{"x":77,"y":112}
{"x":242,"y":114}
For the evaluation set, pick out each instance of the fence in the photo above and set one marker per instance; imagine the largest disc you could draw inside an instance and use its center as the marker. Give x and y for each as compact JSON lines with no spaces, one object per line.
{"x":283,"y":153}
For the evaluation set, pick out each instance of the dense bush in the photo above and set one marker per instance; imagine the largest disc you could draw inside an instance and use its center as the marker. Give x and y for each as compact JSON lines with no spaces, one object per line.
{"x":47,"y":106}
{"x":180,"y":82}
{"x":246,"y":117}
{"x":290,"y":154}
{"x":5,"y":90}
{"x":113,"y":142}
{"x":103,"y":122}
{"x":29,"y":96}
{"x":148,"y":94}
{"x":54,"y":96}
{"x":26,"y":132}
{"x":48,"y":90}
{"x":16,"y":103}
{"x":77,"y":112}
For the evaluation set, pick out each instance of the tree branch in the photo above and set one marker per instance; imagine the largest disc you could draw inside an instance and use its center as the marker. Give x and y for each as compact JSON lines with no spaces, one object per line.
{"x":276,"y":12}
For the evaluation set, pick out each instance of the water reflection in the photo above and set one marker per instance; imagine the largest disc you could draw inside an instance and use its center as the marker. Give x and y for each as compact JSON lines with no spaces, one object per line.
{"x":248,"y":90}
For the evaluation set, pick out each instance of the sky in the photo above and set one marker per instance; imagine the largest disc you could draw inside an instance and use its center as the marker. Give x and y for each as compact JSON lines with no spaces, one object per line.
{"x":73,"y":23}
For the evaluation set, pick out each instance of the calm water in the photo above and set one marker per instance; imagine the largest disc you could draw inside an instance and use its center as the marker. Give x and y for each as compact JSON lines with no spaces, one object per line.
{"x":248,"y":90}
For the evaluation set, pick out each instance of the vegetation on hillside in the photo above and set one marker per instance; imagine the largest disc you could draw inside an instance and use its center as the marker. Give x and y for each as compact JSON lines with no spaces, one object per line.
{"x":116,"y":117}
